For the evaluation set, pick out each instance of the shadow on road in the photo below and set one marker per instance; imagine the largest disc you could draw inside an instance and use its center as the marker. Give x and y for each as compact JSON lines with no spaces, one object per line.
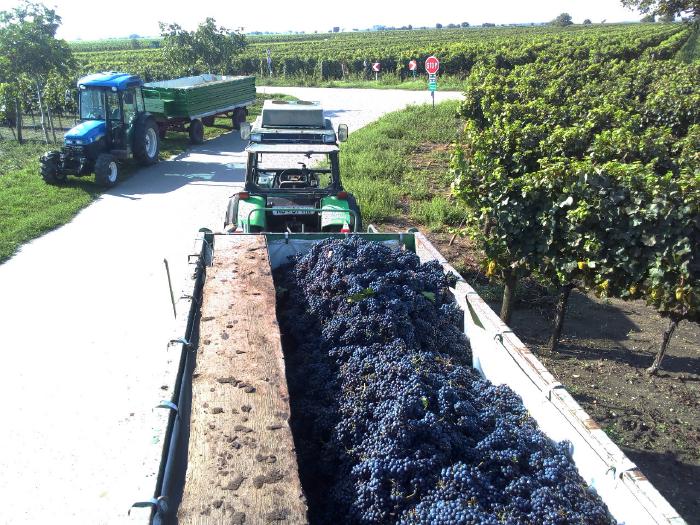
{"x":219,"y":161}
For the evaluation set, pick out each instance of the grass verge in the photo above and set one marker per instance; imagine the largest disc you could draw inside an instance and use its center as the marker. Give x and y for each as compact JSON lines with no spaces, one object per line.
{"x":397,"y":166}
{"x":29,"y":207}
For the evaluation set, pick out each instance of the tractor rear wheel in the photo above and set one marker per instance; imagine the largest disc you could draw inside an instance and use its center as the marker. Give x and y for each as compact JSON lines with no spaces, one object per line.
{"x":239,"y":116}
{"x":49,"y":168}
{"x":146,"y":142}
{"x":106,"y":170}
{"x":196,"y":131}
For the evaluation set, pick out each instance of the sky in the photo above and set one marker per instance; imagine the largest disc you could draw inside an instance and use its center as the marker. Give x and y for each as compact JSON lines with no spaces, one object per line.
{"x":97,"y":20}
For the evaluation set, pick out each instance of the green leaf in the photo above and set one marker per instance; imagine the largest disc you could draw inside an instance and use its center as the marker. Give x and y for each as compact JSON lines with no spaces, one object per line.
{"x":430,"y":296}
{"x":359,"y":296}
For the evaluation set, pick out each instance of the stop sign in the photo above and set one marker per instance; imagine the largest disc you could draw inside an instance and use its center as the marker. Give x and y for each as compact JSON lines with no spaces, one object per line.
{"x":412,"y":65}
{"x":432,"y":65}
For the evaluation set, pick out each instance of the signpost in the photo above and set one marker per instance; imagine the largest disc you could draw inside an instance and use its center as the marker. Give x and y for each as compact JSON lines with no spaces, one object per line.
{"x":376,"y":67}
{"x":432,"y":66}
{"x":413,"y":66}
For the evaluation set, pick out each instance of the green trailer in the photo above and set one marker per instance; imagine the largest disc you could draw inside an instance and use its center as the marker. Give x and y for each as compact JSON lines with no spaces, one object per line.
{"x":190,"y":103}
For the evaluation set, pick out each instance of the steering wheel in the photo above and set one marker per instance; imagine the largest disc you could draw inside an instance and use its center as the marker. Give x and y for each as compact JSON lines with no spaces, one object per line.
{"x":300,"y":180}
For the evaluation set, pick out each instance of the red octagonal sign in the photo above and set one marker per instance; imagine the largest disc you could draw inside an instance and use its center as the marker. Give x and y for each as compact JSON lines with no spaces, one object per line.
{"x":432,"y":65}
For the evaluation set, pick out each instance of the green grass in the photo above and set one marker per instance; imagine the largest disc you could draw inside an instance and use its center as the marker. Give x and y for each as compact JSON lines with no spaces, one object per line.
{"x":397,"y":166}
{"x":29,"y":207}
{"x":690,"y":52}
{"x":446,"y":83}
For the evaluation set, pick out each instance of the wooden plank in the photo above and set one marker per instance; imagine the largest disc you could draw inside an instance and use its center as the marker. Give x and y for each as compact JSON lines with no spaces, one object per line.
{"x":242,"y":465}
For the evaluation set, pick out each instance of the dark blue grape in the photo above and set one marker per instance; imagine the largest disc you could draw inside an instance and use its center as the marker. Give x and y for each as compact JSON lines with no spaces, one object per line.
{"x":391,"y":422}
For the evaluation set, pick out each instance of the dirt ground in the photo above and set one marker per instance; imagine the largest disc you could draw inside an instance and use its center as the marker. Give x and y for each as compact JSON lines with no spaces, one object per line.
{"x":605,"y":348}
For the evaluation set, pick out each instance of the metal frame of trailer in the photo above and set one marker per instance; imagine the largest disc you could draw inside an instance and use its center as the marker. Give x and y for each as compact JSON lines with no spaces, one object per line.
{"x":498,"y":355}
{"x":179,"y":123}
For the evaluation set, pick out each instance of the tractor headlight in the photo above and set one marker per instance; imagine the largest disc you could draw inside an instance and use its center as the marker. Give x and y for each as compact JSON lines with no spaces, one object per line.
{"x":256,"y":137}
{"x":329,"y":139}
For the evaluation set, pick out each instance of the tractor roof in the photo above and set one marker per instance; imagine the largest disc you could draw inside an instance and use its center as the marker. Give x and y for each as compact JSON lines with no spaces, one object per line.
{"x":292,"y":114}
{"x":111,"y":79}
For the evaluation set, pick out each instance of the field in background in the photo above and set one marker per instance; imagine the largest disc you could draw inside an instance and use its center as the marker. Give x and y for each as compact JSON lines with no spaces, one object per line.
{"x":318,"y":59}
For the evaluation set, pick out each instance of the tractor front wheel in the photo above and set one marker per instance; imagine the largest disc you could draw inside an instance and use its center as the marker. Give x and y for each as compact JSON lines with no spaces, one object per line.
{"x":49,"y":168}
{"x":106,"y":170}
{"x":146,"y":142}
{"x":196,"y":131}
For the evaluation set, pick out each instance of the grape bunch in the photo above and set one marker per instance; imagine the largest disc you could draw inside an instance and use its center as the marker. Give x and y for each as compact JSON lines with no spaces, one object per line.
{"x":391,"y":423}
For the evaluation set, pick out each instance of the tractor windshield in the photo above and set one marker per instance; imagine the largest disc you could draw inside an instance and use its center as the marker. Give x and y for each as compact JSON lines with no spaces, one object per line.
{"x":294,"y":170}
{"x":92,"y":106}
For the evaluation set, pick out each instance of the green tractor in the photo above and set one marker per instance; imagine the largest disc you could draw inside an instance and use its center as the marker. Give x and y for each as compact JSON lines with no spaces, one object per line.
{"x":114,"y":126}
{"x":292,"y":188}
{"x":292,"y":179}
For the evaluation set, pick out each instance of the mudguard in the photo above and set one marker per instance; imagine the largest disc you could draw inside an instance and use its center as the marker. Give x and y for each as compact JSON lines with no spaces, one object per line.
{"x":258,"y":219}
{"x":334,"y":213}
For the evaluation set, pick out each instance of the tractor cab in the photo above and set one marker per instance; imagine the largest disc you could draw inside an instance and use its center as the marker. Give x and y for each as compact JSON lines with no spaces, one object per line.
{"x":293,"y":174}
{"x":293,"y":188}
{"x":113,"y":125}
{"x":108,"y":106}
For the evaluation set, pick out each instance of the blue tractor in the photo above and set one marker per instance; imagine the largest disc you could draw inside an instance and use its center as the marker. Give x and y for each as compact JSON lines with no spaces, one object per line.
{"x":114,"y":125}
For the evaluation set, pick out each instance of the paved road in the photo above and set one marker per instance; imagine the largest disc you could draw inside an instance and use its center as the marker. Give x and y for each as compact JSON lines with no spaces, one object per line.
{"x":86,"y":314}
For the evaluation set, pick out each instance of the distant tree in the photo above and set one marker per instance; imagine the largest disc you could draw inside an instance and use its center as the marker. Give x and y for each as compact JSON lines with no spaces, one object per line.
{"x":488,"y":24}
{"x":648,"y":19}
{"x":410,"y":26}
{"x":134,"y":35}
{"x":438,"y":26}
{"x":336,"y":29}
{"x":452,"y":26}
{"x":562,"y":20}
{"x":587,"y":22}
{"x":465,"y":24}
{"x":668,"y":18}
{"x":32,"y":55}
{"x":671,"y":8}
{"x":208,"y":48}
